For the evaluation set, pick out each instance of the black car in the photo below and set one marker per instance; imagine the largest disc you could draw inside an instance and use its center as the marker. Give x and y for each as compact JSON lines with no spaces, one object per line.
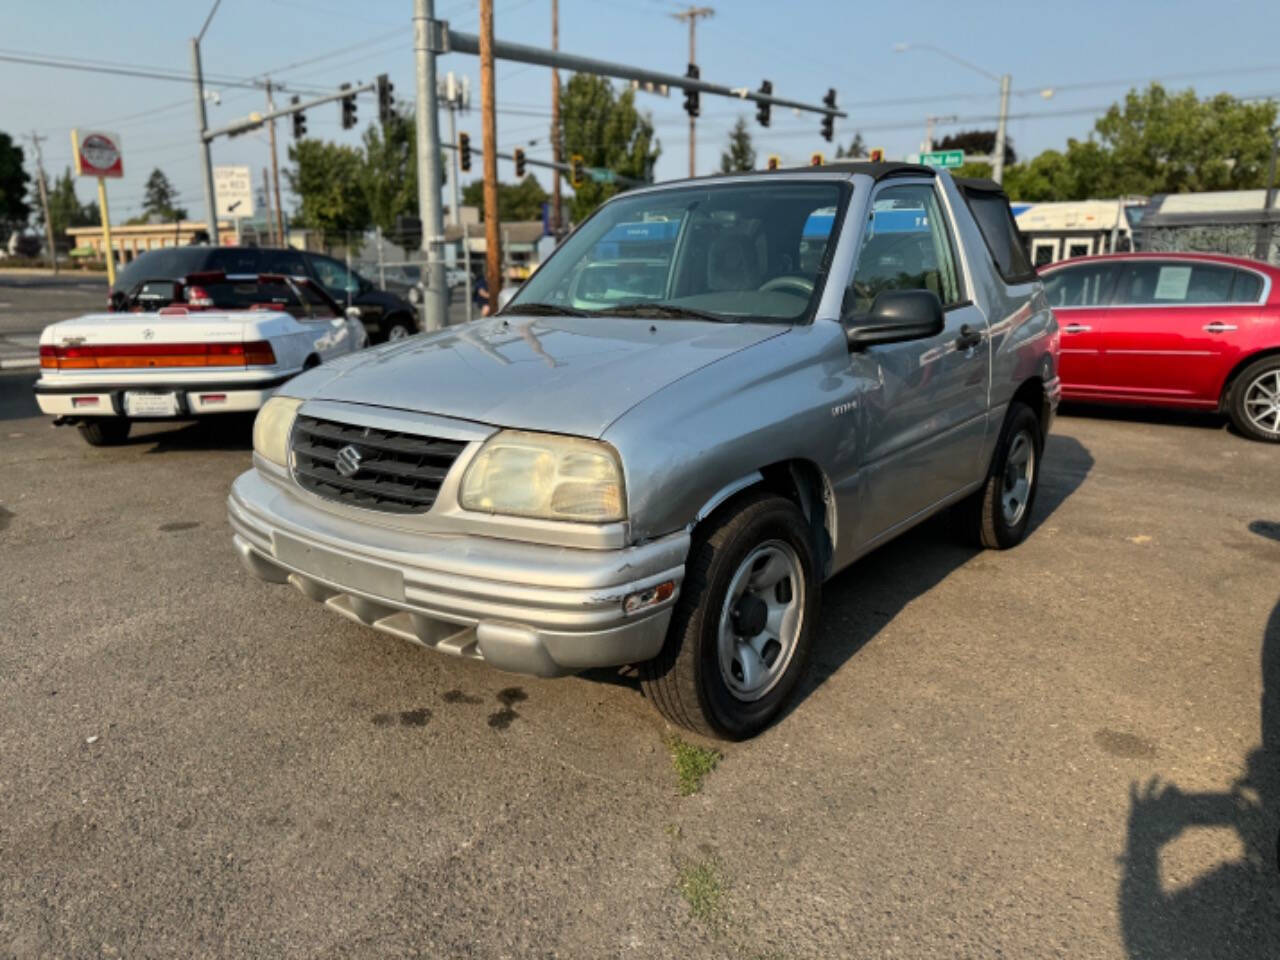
{"x":385,"y":315}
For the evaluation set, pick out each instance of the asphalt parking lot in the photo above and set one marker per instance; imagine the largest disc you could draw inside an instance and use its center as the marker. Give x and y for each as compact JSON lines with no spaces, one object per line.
{"x":1061,"y":750}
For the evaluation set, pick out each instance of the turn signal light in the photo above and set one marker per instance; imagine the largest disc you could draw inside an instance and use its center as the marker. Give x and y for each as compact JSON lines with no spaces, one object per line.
{"x":648,"y":598}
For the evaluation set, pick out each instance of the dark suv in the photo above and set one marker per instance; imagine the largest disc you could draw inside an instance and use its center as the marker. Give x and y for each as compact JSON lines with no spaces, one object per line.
{"x":385,"y":315}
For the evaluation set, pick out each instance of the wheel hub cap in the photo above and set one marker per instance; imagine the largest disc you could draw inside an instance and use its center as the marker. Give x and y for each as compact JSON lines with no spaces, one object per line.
{"x":1019,"y":473}
{"x":1262,"y":402}
{"x":761,"y":620}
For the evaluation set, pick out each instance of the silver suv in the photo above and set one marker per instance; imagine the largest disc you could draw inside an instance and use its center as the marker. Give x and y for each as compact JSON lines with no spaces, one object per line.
{"x":715,"y":395}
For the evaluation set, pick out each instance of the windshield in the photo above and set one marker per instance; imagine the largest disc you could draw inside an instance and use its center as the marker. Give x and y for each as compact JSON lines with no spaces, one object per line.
{"x":733,"y":251}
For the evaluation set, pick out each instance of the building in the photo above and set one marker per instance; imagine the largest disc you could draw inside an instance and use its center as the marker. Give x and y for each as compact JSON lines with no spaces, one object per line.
{"x":1243,"y":223}
{"x":129,"y":240}
{"x":1063,"y":229}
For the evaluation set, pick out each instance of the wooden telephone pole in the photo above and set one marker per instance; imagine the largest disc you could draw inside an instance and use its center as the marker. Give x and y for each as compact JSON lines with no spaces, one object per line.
{"x":35,"y":139}
{"x":489,"y":124}
{"x":691,"y":16}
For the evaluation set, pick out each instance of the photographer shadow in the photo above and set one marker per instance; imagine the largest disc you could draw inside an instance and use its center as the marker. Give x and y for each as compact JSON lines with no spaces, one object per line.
{"x":1233,"y":911}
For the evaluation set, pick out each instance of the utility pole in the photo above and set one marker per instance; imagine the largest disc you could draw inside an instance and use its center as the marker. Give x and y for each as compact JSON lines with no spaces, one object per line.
{"x":435,"y":302}
{"x":275,"y":172}
{"x":266,"y":202}
{"x":691,"y":16}
{"x":997,"y":162}
{"x":206,"y":159}
{"x":489,"y":128}
{"x":555,"y":122}
{"x":35,"y":139}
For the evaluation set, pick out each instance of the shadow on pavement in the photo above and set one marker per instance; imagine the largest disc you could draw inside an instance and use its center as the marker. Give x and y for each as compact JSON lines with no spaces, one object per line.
{"x":1152,"y":415}
{"x":17,"y":402}
{"x":1232,"y":911}
{"x":228,"y":431}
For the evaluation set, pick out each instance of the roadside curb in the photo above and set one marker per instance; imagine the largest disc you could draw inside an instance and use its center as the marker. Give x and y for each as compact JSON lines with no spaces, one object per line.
{"x":19,"y":363}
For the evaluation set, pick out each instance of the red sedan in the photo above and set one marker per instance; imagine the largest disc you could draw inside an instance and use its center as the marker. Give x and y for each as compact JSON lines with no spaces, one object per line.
{"x":1191,"y":330}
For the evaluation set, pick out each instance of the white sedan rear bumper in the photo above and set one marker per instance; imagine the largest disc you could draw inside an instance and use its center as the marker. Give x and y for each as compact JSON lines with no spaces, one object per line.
{"x":193,"y":398}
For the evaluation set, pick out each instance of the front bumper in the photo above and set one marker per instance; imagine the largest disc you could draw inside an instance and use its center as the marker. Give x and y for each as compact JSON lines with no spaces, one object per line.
{"x":522,"y":607}
{"x":196,"y":398}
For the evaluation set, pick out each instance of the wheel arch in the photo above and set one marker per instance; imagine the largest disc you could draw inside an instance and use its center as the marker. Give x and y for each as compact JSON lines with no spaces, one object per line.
{"x":1031,"y":392}
{"x":1229,"y":383}
{"x":799,"y":480}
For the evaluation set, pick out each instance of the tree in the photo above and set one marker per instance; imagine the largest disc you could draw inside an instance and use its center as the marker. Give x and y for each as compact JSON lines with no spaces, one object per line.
{"x":855,"y":151}
{"x":65,"y":209}
{"x":159,"y":196}
{"x":14,"y":210}
{"x":741,"y":155}
{"x":327,"y":178}
{"x":978,"y":142}
{"x":516,"y":201}
{"x":607,"y":131}
{"x":388,"y":177}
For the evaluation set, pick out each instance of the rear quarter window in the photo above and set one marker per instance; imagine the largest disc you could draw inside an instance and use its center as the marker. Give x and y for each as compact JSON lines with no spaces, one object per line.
{"x":1004,"y":241}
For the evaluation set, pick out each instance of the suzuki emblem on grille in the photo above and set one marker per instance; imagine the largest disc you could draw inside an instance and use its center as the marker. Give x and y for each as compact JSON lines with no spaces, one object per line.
{"x":348,"y":461}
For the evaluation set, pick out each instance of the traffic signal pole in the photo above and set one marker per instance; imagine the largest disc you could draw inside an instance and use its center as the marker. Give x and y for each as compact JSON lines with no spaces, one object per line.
{"x":435,"y":299}
{"x":206,"y":159}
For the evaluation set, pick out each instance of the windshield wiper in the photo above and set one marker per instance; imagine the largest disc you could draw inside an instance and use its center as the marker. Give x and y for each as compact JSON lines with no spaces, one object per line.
{"x":642,"y":309}
{"x":545,"y":310}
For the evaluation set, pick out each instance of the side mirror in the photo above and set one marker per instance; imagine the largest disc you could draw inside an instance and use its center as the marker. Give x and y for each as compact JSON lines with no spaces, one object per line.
{"x":353,"y":313}
{"x":896,"y":316}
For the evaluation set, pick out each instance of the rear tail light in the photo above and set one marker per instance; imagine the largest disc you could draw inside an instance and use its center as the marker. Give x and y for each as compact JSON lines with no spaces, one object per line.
{"x":198,"y":297}
{"x":78,"y":402}
{"x":117,"y":356}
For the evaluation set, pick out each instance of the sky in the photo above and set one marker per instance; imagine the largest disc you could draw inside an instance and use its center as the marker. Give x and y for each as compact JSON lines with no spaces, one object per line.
{"x":1087,"y":53}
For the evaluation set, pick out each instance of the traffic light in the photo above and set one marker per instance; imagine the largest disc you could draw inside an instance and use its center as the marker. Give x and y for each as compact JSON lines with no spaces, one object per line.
{"x":348,"y":109}
{"x":762,"y":110}
{"x":828,"y":121}
{"x":385,"y":109}
{"x":299,"y":121}
{"x":774,"y":161}
{"x":876,"y":155}
{"x":464,"y":151}
{"x":691,"y":96}
{"x":519,"y":156}
{"x":817,"y":160}
{"x":575,"y":170}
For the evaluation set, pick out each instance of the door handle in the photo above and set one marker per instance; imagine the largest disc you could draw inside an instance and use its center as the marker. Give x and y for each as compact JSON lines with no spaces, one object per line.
{"x":968,"y":338}
{"x":1076,"y":328}
{"x":1218,"y":327}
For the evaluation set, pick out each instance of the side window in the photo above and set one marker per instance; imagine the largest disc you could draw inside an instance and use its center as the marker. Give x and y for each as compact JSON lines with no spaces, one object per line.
{"x":287,"y":262}
{"x":1150,"y":282}
{"x":333,"y":275}
{"x":1247,"y":287}
{"x":995,"y":221}
{"x":318,"y":306}
{"x":905,"y":246}
{"x":1088,"y":285}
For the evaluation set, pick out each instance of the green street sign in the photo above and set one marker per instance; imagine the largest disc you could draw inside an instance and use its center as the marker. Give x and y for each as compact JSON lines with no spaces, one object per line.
{"x":946,"y":159}
{"x":601,"y":175}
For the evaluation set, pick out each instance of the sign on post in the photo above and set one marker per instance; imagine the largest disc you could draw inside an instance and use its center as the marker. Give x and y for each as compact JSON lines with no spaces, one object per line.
{"x":945,"y":159}
{"x":233,"y":185}
{"x":97,"y":154}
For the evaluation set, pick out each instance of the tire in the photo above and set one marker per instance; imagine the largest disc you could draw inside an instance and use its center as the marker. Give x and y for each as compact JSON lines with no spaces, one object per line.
{"x":105,"y":431}
{"x":687,"y":681}
{"x":1254,"y":402}
{"x":988,"y":518}
{"x":397,"y":329}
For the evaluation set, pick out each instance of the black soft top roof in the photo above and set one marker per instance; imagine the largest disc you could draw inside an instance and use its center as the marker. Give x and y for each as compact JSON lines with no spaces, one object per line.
{"x":978,"y":185}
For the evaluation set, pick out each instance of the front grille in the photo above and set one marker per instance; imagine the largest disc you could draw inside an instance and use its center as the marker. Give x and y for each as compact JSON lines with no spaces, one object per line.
{"x":398,"y":472}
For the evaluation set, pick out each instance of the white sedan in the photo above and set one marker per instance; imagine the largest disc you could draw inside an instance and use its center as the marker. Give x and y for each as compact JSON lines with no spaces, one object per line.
{"x":210,"y":344}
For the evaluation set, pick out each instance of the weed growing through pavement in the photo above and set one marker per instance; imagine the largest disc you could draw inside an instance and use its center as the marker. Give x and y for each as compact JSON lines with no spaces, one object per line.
{"x":703,"y":888}
{"x":692,"y":763}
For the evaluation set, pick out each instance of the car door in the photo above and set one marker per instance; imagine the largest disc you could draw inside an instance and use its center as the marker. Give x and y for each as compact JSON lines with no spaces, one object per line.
{"x":1171,"y":329}
{"x":1078,"y":296}
{"x":924,"y":415}
{"x":330,"y":334}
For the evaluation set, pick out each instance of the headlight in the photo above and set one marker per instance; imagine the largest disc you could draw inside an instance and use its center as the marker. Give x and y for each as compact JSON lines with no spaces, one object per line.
{"x":271,"y":429}
{"x":546,"y":476}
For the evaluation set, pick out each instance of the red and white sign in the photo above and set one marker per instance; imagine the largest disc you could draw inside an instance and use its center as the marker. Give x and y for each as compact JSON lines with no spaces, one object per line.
{"x":97,"y":154}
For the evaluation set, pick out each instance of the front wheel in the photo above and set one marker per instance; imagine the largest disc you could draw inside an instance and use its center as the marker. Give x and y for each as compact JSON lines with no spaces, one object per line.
{"x":1254,"y":404}
{"x":998,"y":515}
{"x":740,"y":633}
{"x":398,"y":330}
{"x":105,"y":431}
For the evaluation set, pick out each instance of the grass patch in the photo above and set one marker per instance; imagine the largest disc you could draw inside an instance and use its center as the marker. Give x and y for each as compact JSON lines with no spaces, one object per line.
{"x":692,"y":763}
{"x":703,"y":888}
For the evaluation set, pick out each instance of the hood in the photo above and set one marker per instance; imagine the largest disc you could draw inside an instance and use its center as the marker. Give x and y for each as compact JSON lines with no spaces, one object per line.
{"x":563,"y":374}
